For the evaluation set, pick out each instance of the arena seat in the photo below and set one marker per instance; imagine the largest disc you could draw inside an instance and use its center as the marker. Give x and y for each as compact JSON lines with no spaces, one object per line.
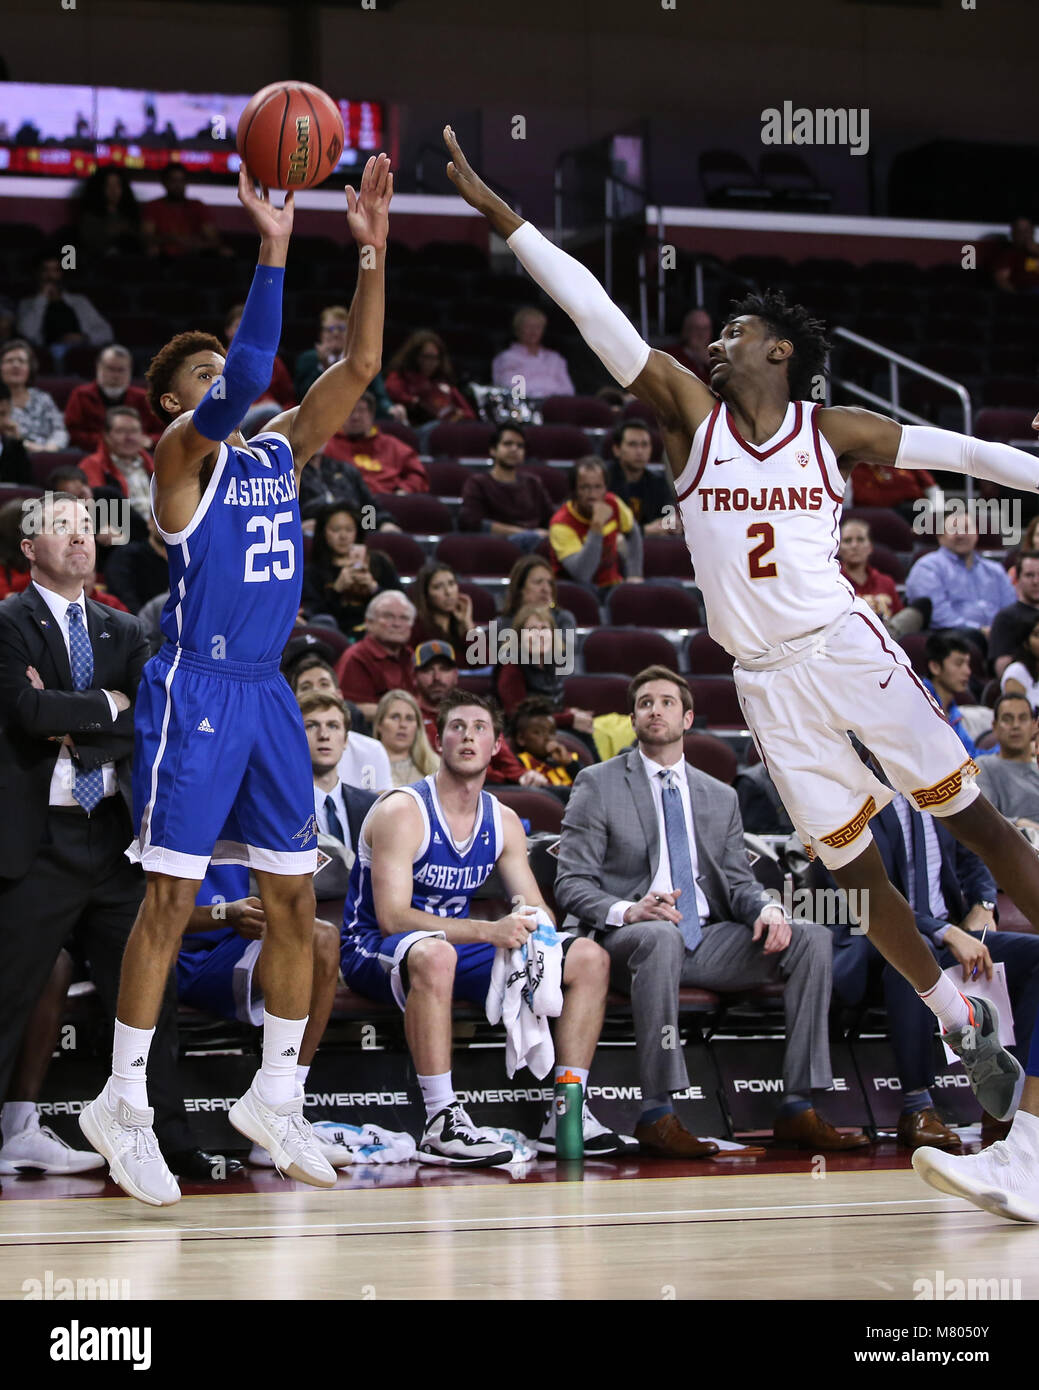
{"x":1004,"y":425}
{"x":331,"y":637}
{"x":406,"y":553}
{"x":556,"y":442}
{"x":463,"y":439}
{"x":17,"y":492}
{"x":553,"y":480}
{"x":575,"y":745}
{"x":665,"y":557}
{"x":401,"y":431}
{"x":639,"y":410}
{"x":418,"y":513}
{"x":59,"y":387}
{"x":43,"y":464}
{"x":586,"y":412}
{"x":580,"y":601}
{"x":652,"y":605}
{"x":705,"y":657}
{"x":628,"y":650}
{"x":715,"y":698}
{"x":486,"y":556}
{"x":484,"y":607}
{"x":600,"y":694}
{"x":885,"y":526}
{"x":543,"y":810}
{"x":888,"y":562}
{"x":447,"y":477}
{"x":711,"y":755}
{"x":476,"y":685}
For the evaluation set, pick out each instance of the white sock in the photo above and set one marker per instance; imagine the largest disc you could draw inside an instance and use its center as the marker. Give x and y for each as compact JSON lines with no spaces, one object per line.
{"x":130,"y":1064}
{"x":946,"y":1001}
{"x":437,"y":1092}
{"x":301,"y":1075}
{"x":276,"y":1079}
{"x":564,"y":1074}
{"x":18,"y":1116}
{"x":1024,"y":1132}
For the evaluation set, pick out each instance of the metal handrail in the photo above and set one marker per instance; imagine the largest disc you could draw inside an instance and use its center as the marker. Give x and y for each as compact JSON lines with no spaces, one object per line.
{"x":896,"y":362}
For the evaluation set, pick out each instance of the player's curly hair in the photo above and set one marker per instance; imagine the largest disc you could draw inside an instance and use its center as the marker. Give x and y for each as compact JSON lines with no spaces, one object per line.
{"x":795,"y":323}
{"x":167,"y":362}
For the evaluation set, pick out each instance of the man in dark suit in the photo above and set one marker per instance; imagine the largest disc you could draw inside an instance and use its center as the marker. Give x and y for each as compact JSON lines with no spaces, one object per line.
{"x":953,"y":897}
{"x":69,"y":669}
{"x":652,"y":859}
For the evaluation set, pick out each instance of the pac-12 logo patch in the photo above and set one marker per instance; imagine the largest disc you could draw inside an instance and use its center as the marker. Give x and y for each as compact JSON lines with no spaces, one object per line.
{"x":802,"y":458}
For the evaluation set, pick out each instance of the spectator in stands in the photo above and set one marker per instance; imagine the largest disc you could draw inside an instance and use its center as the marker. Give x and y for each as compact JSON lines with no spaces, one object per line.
{"x":436,"y":675}
{"x":444,"y":612}
{"x":343,"y":575}
{"x":382,"y":660}
{"x":14,"y":461}
{"x":947,"y":657}
{"x":761,"y":807}
{"x":278,"y":396}
{"x":652,"y":863}
{"x":176,"y":225}
{"x":536,"y":742}
{"x":386,"y":462}
{"x":953,"y":897}
{"x":903,"y":489}
{"x":965,"y":589}
{"x":1029,"y":541}
{"x":399,"y":727}
{"x":593,"y":535}
{"x":1021,"y":677}
{"x":872,"y":585}
{"x":630,"y":478}
{"x":37,"y":418}
{"x":327,"y":724}
{"x":532,"y":581}
{"x":697,"y":336}
{"x":1009,"y":622}
{"x":421,"y":378}
{"x":109,"y":214}
{"x":87,"y":405}
{"x":527,"y":364}
{"x":1015,"y":266}
{"x":14,"y":567}
{"x":138,"y":571}
{"x":330,"y":347}
{"x":535,"y":672}
{"x":504,"y":501}
{"x":1010,"y":779}
{"x":54,"y":319}
{"x":363,"y":761}
{"x":328,"y":480}
{"x":121,"y":464}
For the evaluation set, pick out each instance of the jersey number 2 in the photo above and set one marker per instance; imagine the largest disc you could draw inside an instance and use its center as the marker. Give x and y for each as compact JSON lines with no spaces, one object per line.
{"x":767,"y":542}
{"x":271,"y":543}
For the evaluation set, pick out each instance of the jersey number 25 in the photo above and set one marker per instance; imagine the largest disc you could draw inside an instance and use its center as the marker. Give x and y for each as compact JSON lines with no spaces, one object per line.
{"x":270,"y":543}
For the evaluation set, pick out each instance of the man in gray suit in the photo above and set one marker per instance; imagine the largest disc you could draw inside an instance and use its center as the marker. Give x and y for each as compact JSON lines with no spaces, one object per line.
{"x":652,"y":860}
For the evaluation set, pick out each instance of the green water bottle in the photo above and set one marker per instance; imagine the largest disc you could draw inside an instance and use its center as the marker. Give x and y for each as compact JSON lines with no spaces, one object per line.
{"x":568,"y":1103}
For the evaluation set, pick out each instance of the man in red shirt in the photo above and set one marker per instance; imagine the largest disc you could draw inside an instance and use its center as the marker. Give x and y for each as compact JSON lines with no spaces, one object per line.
{"x":121,"y":462}
{"x":177,"y":225}
{"x":86,"y":406}
{"x":386,"y":463}
{"x":436,"y":675}
{"x":876,"y":485}
{"x":594,"y":537}
{"x":382,"y":660}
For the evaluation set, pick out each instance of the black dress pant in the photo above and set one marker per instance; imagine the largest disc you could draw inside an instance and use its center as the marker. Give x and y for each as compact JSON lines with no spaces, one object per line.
{"x":81,"y":890}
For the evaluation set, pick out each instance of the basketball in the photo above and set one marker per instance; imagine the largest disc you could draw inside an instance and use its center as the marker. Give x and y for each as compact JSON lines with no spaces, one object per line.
{"x":290,"y":135}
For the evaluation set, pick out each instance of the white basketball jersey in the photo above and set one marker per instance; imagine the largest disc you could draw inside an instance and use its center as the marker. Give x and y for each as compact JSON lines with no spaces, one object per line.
{"x":762,"y":523}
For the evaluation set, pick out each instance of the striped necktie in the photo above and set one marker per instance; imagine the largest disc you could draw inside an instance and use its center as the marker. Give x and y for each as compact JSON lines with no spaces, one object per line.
{"x":681,"y":863}
{"x":88,"y":787}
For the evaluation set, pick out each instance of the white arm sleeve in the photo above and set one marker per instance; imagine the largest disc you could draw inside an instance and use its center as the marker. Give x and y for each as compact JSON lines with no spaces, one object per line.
{"x":604,"y":328}
{"x":925,"y":447}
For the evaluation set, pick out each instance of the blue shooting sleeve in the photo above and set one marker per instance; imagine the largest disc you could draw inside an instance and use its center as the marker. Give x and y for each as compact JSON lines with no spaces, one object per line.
{"x":250,"y":358}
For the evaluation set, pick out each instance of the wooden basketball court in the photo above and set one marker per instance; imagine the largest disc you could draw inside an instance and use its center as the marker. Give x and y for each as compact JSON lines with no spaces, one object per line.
{"x":865,"y":1228}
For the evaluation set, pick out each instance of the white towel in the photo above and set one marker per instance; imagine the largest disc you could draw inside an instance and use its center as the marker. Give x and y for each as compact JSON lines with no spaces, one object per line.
{"x":367,"y":1143}
{"x":526,"y":991}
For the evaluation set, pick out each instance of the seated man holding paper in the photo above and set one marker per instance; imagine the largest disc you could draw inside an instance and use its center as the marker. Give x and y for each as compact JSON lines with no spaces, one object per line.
{"x":953,"y":897}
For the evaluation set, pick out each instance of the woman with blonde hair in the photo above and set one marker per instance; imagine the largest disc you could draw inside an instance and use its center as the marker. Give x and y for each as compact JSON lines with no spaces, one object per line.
{"x":399,"y":727}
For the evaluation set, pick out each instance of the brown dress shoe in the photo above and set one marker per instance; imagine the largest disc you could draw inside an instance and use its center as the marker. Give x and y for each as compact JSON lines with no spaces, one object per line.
{"x":669,"y":1138}
{"x":993,"y":1129}
{"x":926,"y":1129}
{"x":808,"y":1130}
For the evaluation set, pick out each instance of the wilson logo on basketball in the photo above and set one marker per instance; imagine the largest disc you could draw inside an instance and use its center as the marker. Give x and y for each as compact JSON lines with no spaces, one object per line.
{"x":299,"y":159}
{"x":335,"y":147}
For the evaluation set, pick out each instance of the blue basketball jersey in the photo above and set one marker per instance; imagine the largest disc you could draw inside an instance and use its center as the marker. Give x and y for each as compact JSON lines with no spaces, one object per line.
{"x":445,"y":874}
{"x":236,"y":570}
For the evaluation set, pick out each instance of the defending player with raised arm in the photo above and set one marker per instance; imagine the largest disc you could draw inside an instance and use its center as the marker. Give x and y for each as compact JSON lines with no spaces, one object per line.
{"x":759,"y":471}
{"x":221,"y":764}
{"x":407,"y":935}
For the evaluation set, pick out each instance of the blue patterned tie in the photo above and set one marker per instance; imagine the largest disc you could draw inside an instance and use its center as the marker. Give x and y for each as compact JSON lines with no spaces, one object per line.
{"x":681,"y":864}
{"x":88,"y":787}
{"x":335,"y":825}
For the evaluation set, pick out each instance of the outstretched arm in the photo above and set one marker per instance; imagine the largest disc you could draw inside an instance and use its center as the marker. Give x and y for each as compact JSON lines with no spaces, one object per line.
{"x":680,"y":399}
{"x":329,"y":401}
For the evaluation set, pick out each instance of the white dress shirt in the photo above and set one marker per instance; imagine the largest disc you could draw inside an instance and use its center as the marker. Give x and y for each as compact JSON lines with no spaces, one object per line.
{"x":662,"y":878}
{"x":64,"y":775}
{"x":365,"y":764}
{"x":322,"y":814}
{"x":936,"y":906}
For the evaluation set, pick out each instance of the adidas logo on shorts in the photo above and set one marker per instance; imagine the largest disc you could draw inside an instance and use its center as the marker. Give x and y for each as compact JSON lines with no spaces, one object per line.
{"x":289,"y":1052}
{"x":205,"y":727}
{"x":139,"y":1062}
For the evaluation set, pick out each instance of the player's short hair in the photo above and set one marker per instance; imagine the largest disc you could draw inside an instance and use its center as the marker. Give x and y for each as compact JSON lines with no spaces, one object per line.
{"x":583,"y":465}
{"x":1026,"y":555}
{"x":617,"y":437}
{"x":507,"y":428}
{"x":533,"y":707}
{"x":1010,"y":695}
{"x":168,"y":361}
{"x":658,"y":673}
{"x":114,"y":411}
{"x":334,"y":311}
{"x":309,"y":661}
{"x":459,"y":698}
{"x":316,"y":701}
{"x":795,"y":323}
{"x":940,"y":645}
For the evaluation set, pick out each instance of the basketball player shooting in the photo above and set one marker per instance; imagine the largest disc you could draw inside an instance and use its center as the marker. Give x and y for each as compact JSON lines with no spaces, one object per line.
{"x":221,"y":763}
{"x":759,"y":474}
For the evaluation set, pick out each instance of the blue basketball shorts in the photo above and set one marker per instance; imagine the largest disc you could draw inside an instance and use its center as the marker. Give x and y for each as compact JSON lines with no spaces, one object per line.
{"x":221,"y":769}
{"x":376,"y":966}
{"x":222,"y":981}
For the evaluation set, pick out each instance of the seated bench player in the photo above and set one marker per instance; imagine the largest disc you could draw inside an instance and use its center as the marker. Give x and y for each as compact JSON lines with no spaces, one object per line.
{"x":402,"y":942}
{"x":216,"y":970}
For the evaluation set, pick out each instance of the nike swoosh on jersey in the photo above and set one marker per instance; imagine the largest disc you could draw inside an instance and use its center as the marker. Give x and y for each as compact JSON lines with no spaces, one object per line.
{"x":884,"y":684}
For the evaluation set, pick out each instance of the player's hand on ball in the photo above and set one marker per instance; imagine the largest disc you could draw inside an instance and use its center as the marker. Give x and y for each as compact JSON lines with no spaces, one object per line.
{"x":368,"y":212}
{"x":271,"y":222}
{"x":511,"y":931}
